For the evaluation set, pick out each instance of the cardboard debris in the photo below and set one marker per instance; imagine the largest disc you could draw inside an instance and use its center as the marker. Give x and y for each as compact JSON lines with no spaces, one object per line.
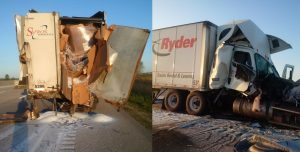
{"x":66,"y":83}
{"x":91,"y":56}
{"x":79,"y":50}
{"x":100,"y":62}
{"x":63,"y":41}
{"x":80,"y":92}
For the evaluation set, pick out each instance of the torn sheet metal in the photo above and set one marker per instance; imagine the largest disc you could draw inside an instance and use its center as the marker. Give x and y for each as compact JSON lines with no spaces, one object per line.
{"x":66,"y":83}
{"x":80,"y":92}
{"x":100,"y":63}
{"x":254,"y":34}
{"x":125,"y":47}
{"x":261,"y":143}
{"x":221,"y":69}
{"x":80,"y":38}
{"x":19,"y":21}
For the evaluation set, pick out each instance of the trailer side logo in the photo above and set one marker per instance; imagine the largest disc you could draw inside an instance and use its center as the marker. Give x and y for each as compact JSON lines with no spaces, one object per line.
{"x":170,"y":45}
{"x":42,"y":30}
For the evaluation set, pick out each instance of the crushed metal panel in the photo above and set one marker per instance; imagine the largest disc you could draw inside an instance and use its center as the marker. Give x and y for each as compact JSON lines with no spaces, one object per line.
{"x":255,"y":35}
{"x":221,"y":68}
{"x":19,"y":21}
{"x":125,"y":48}
{"x":252,"y":32}
{"x":277,"y":44}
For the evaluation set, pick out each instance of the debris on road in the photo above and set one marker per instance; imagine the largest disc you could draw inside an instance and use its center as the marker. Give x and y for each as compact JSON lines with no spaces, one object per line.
{"x":50,"y":132}
{"x":183,"y":132}
{"x":11,"y":118}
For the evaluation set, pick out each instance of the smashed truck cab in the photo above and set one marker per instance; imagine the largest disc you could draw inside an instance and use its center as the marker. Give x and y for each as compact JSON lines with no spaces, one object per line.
{"x":78,"y":59}
{"x":203,"y":67}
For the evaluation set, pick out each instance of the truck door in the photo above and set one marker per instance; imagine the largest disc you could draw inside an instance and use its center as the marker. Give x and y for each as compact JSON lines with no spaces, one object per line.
{"x":125,"y":47}
{"x":221,"y":66}
{"x":241,"y":71}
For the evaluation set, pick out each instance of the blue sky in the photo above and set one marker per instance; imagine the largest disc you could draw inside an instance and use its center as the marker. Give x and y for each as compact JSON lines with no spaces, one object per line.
{"x":278,"y":18}
{"x":136,"y":13}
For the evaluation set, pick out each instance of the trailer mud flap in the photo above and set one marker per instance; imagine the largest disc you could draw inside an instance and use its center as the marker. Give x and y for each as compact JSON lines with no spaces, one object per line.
{"x":125,"y":47}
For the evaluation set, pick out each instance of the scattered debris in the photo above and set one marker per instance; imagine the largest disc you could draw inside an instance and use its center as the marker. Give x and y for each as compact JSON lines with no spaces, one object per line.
{"x":211,"y":134}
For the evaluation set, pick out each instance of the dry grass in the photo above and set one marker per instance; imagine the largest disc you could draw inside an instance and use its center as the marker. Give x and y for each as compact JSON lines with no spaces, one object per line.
{"x":139,"y":104}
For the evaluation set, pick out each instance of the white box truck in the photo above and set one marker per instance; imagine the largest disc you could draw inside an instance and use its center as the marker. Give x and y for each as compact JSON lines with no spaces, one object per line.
{"x":77,"y":59}
{"x":201,"y":65}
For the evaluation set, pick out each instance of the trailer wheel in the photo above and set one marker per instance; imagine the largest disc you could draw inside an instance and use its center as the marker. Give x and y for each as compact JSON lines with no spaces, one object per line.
{"x":196,"y":104}
{"x":174,"y":100}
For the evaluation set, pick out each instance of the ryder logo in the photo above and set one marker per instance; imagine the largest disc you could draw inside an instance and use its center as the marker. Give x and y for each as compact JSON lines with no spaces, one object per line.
{"x":170,"y":45}
{"x":181,"y":43}
{"x":155,"y":44}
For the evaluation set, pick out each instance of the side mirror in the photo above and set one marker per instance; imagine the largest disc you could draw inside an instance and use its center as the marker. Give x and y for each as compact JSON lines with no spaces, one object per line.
{"x":290,"y":68}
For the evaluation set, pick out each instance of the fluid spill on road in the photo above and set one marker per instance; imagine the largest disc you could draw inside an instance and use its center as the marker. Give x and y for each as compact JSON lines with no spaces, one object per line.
{"x":49,"y":132}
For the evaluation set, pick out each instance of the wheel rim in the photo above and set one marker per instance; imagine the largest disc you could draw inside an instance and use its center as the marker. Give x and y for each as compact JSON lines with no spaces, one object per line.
{"x":172,"y":100}
{"x":194,"y":103}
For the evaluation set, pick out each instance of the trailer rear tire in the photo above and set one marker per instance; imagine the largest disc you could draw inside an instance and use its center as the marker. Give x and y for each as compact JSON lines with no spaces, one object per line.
{"x":174,"y":100}
{"x":196,"y":103}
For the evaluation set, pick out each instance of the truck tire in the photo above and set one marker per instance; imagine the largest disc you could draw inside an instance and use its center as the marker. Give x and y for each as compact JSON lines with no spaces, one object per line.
{"x":196,"y":104}
{"x":174,"y":100}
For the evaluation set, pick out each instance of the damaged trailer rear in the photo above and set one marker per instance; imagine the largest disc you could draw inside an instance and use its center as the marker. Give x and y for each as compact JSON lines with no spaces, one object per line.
{"x":76,"y":60}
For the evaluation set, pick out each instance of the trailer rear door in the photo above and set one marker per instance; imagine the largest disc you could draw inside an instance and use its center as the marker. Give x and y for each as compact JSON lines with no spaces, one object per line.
{"x":41,"y":47}
{"x":125,"y":48}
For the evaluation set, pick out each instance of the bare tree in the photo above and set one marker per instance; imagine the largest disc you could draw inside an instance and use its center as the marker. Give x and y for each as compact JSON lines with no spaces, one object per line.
{"x":6,"y":77}
{"x":141,"y":67}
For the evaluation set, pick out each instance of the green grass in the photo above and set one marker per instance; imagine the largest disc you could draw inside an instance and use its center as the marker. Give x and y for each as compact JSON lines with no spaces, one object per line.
{"x":139,"y":104}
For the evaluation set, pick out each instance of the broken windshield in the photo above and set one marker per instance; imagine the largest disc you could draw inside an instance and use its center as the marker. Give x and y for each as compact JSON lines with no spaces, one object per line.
{"x":264,"y":68}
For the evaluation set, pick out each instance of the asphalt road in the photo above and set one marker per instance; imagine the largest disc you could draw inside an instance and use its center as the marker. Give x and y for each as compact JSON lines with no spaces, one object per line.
{"x":105,"y":130}
{"x":179,"y":132}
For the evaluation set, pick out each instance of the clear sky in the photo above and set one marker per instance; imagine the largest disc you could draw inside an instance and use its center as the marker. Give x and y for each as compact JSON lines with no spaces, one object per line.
{"x":136,"y":13}
{"x":280,"y":18}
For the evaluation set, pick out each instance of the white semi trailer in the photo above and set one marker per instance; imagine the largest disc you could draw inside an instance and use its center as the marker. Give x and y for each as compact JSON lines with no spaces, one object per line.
{"x":201,"y":65}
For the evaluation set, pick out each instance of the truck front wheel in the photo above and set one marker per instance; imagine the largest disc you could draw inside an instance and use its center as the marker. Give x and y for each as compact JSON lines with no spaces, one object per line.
{"x":196,"y":104}
{"x":174,"y":100}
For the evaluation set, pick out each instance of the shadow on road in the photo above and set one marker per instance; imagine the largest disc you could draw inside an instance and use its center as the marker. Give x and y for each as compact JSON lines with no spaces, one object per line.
{"x":20,"y":135}
{"x":171,"y":140}
{"x":22,"y":105}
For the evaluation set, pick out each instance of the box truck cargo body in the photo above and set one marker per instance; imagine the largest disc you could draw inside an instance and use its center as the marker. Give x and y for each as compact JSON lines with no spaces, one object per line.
{"x":200,"y":66}
{"x":182,"y":55}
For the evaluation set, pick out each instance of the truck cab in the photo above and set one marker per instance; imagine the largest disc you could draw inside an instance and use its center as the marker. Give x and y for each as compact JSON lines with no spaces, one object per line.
{"x":242,"y":58}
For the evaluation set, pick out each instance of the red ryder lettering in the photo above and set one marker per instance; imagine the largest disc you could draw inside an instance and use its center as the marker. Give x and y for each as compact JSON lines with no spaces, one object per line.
{"x":181,"y":43}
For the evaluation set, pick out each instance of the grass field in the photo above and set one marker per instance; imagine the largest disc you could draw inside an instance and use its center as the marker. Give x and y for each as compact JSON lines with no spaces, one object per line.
{"x":139,"y":105}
